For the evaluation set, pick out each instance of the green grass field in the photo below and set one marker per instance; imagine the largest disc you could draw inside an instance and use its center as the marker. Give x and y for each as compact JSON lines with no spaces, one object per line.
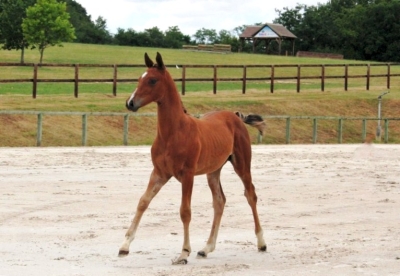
{"x":20,"y":130}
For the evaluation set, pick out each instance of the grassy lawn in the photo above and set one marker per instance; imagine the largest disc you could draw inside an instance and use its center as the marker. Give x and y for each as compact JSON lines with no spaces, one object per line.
{"x":20,"y":130}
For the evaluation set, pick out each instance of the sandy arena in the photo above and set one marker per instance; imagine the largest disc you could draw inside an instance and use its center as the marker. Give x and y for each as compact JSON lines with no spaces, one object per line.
{"x":325,"y":210}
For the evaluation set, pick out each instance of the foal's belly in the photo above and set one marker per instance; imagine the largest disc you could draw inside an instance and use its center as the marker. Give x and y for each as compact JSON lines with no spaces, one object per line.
{"x":212,"y":160}
{"x":178,"y":163}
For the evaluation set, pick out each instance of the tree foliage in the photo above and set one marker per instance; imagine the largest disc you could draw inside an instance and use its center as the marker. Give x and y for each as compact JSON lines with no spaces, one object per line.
{"x":174,"y":38}
{"x":205,"y":36}
{"x":87,"y":30}
{"x":153,"y":37}
{"x":11,"y":14}
{"x":47,"y":24}
{"x":227,"y":37}
{"x":358,"y":29}
{"x":99,"y":33}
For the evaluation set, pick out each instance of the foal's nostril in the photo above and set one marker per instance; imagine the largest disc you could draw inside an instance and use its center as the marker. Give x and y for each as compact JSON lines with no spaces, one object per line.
{"x":130,"y":105}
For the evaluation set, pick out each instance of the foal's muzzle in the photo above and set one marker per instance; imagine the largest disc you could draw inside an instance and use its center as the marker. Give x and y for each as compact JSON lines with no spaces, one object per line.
{"x":130,"y":105}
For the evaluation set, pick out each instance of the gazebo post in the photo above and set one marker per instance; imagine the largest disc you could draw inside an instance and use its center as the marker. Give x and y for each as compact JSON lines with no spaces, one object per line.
{"x":280,"y":44}
{"x":293,"y":41}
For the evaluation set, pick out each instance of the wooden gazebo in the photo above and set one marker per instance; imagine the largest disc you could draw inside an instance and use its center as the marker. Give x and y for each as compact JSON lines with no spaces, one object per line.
{"x":268,"y":33}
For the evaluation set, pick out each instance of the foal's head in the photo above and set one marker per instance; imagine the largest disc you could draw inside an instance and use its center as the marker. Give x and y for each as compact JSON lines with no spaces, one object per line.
{"x":152,"y":84}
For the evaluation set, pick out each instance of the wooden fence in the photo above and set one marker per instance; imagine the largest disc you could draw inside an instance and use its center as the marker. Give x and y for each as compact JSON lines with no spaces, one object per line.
{"x":219,"y":48}
{"x":272,"y":78}
{"x":126,"y":116}
{"x":318,"y":55}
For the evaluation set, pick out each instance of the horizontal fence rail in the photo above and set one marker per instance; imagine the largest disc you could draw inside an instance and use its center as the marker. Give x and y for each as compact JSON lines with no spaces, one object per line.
{"x":272,"y":77}
{"x":315,"y":119}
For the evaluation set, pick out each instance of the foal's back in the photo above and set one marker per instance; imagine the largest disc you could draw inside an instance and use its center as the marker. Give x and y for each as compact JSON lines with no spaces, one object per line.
{"x":223,"y":124}
{"x":221,"y":134}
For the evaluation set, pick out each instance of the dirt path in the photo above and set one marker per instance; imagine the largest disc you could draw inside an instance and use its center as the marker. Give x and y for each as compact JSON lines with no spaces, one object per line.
{"x":325,"y":209}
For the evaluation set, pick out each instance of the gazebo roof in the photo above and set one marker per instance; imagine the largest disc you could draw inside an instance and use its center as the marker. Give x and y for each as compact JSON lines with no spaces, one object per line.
{"x":267,"y":31}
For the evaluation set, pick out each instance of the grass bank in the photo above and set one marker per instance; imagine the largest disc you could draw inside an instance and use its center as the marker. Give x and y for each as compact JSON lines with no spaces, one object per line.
{"x":20,"y":130}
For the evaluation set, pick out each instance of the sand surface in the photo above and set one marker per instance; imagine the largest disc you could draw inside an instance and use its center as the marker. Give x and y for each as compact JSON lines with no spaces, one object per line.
{"x":325,"y":210}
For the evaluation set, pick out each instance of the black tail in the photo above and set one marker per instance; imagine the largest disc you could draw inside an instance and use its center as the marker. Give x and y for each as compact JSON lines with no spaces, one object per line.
{"x":254,"y":120}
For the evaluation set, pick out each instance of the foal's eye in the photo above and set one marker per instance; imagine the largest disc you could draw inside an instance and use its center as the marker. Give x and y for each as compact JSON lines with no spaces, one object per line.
{"x":152,"y":81}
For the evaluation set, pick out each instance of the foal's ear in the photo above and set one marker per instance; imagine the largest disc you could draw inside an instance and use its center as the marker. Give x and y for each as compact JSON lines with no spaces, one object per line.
{"x":160,"y":62}
{"x":148,"y":61}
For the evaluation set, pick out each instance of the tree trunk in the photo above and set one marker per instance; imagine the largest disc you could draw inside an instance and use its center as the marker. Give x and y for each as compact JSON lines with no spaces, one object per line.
{"x":41,"y":55}
{"x":22,"y":55}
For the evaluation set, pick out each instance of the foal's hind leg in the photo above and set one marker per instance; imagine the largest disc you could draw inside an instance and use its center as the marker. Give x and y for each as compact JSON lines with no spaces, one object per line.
{"x":241,"y":164}
{"x":155,"y":184}
{"x":218,"y":204}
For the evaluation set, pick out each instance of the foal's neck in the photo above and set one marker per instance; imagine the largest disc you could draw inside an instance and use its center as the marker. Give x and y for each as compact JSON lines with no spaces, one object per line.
{"x":170,"y":112}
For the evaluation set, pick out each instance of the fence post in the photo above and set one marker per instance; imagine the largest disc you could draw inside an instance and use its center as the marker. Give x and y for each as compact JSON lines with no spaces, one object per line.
{"x":322,"y":77}
{"x":272,"y":78}
{"x":298,"y":78}
{"x":340,"y":131}
{"x":259,"y":138}
{"x":388,"y":76}
{"x":288,"y":130}
{"x":215,"y":80}
{"x":35,"y":73}
{"x":84,"y":129}
{"x":244,"y":79}
{"x":368,"y":75}
{"x":115,"y":80}
{"x":39,"y":129}
{"x":76,"y":80}
{"x":126,"y":124}
{"x":314,"y":138}
{"x":364,"y":130}
{"x":183,"y":79}
{"x":386,"y":131}
{"x":346,"y":77}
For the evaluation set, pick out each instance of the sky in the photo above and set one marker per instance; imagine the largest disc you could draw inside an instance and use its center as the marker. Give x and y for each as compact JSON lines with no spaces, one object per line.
{"x":188,"y":15}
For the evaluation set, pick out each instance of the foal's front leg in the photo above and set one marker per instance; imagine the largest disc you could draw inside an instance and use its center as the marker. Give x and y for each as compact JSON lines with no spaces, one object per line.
{"x":186,"y":216}
{"x":155,"y":184}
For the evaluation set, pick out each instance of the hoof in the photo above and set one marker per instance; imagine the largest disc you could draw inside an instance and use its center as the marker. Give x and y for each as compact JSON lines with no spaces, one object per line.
{"x":180,"y":262}
{"x":123,"y":253}
{"x":201,"y":254}
{"x":262,"y":248}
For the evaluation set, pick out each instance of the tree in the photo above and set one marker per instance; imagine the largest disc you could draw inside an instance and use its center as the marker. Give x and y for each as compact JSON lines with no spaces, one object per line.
{"x":1,"y":34}
{"x":86,"y":30}
{"x":81,"y":21}
{"x":291,"y":18}
{"x":227,"y":37}
{"x":100,"y":34}
{"x":47,"y":24}
{"x":155,"y":36}
{"x":372,"y":32}
{"x":358,"y":29}
{"x":126,"y":37}
{"x":315,"y":26}
{"x":12,"y":13}
{"x":174,"y":38}
{"x":206,"y":36}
